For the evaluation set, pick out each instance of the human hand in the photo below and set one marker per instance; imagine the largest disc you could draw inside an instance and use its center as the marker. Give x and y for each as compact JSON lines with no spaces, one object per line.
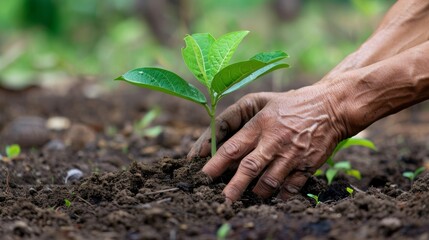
{"x":282,"y":138}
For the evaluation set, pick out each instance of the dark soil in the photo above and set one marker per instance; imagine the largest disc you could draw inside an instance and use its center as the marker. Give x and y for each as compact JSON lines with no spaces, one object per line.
{"x":136,"y":187}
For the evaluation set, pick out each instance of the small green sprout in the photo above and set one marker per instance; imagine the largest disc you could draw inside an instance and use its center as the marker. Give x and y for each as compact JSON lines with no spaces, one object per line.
{"x":12,"y":151}
{"x":350,"y":191}
{"x":207,"y":58}
{"x":67,"y":202}
{"x":315,"y":197}
{"x":142,"y":127}
{"x":344,"y":166}
{"x":412,"y":175}
{"x":223,"y":231}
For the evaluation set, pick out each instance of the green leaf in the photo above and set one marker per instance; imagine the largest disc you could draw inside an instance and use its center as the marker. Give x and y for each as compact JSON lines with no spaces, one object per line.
{"x":354,"y":173}
{"x":221,"y":52}
{"x":13,"y":150}
{"x":346,"y":143}
{"x":164,"y":81}
{"x":223,"y":231}
{"x":330,"y":175}
{"x":240,"y":74}
{"x":270,"y":57}
{"x":67,"y":202}
{"x":419,"y":171}
{"x":315,"y":197}
{"x":343,"y":165}
{"x":409,"y":175}
{"x":152,"y":131}
{"x":195,"y":55}
{"x":350,"y":190}
{"x":148,"y":118}
{"x":319,"y":172}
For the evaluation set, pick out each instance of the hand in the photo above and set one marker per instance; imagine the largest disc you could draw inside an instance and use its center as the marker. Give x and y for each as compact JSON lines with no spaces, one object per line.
{"x":282,"y":138}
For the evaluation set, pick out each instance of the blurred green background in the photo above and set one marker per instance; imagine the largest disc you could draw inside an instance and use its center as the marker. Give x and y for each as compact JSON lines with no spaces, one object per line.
{"x":45,"y":41}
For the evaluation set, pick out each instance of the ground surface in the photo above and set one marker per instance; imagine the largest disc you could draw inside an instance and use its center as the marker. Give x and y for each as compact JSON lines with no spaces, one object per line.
{"x":142,"y":188}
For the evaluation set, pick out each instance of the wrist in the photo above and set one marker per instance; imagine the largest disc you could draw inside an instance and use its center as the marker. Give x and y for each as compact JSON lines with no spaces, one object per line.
{"x":383,"y":88}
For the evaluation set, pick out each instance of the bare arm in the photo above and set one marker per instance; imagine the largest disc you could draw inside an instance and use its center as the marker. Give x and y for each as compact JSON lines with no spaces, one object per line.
{"x":282,"y":138}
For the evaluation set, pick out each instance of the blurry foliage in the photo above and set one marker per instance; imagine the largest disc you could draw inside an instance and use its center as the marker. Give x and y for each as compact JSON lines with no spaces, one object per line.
{"x":51,"y":40}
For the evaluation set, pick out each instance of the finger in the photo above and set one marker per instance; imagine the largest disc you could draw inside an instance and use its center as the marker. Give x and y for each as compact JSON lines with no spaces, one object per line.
{"x":274,"y":175}
{"x":250,"y":168}
{"x":293,"y":183}
{"x":233,"y":150}
{"x":228,"y":122}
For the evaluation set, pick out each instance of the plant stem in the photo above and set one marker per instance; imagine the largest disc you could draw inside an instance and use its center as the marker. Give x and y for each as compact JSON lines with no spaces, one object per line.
{"x":213,"y":128}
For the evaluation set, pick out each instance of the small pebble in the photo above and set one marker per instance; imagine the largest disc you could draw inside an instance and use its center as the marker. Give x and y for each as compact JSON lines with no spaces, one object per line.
{"x":79,"y":136}
{"x":391,"y":223}
{"x":47,"y":190}
{"x":32,"y":191}
{"x":58,"y":123}
{"x":54,"y":145}
{"x":25,"y":131}
{"x":73,"y":175}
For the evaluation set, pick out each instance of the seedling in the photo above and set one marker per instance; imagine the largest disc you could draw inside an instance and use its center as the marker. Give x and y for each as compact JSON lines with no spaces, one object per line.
{"x":223,"y":231}
{"x":344,"y":166}
{"x":350,"y":191}
{"x":67,"y":202}
{"x":142,"y":127}
{"x":12,"y":151}
{"x":207,"y":58}
{"x":412,"y":175}
{"x":315,"y":197}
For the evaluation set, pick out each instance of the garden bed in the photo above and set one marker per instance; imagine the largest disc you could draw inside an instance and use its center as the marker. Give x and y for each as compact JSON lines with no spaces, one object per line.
{"x":144,"y":188}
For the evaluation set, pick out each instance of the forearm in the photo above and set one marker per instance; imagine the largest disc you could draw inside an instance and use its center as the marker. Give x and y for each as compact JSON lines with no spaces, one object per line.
{"x":384,"y":88}
{"x":403,"y":27}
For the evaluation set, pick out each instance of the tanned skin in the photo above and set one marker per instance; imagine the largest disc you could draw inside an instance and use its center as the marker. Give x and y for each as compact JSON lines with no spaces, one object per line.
{"x":283,"y":138}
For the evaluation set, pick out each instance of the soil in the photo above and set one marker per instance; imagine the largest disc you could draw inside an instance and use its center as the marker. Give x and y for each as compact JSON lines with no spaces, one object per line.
{"x":137,"y":187}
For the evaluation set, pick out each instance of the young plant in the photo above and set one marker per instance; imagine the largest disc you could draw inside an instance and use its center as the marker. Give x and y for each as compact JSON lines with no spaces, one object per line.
{"x":223,"y":231}
{"x":207,"y":58}
{"x":67,"y":202}
{"x":142,"y":127}
{"x":412,"y":175}
{"x":350,"y":191}
{"x":345,"y":166}
{"x":315,"y":197}
{"x":12,"y":151}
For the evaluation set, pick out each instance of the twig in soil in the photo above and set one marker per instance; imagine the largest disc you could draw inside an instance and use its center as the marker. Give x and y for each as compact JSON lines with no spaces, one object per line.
{"x":7,"y":191}
{"x":149,"y":204}
{"x":83,"y":200}
{"x":163,"y":200}
{"x":162,"y":191}
{"x":357,"y":189}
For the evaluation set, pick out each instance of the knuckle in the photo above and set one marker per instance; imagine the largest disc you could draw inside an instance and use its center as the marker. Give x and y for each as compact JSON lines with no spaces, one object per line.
{"x":270,"y":183}
{"x":250,"y":167}
{"x":230,"y":149}
{"x":291,"y":188}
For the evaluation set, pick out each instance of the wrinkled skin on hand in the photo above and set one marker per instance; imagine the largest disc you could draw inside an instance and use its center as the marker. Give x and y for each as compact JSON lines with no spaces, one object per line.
{"x":281,"y":137}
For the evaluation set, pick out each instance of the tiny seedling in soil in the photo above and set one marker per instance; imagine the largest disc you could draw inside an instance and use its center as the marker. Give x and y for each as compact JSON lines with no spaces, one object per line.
{"x":142,"y":127}
{"x":12,"y":151}
{"x":345,"y":166}
{"x":207,"y":58}
{"x":315,"y":197}
{"x":350,"y":191}
{"x":67,"y":202}
{"x":412,"y":175}
{"x":223,"y":231}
